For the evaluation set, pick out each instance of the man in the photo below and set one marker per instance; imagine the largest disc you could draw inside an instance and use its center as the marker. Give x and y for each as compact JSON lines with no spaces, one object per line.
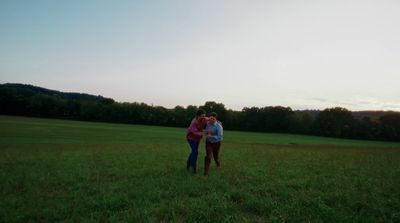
{"x":214,"y":132}
{"x":193,"y":136}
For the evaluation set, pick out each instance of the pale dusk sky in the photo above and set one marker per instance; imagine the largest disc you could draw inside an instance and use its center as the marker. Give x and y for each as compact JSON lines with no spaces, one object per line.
{"x":302,"y":54}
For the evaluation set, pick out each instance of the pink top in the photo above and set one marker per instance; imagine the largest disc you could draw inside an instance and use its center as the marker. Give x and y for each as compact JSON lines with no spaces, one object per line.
{"x":195,"y":130}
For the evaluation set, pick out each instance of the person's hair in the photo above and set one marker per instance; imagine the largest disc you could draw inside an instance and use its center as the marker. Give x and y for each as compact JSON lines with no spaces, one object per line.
{"x":200,"y":112}
{"x":213,"y":114}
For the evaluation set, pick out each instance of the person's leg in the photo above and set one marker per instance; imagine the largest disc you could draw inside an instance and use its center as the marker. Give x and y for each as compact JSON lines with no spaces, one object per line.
{"x":216,"y":148}
{"x":207,"y":159}
{"x":193,"y":155}
{"x":188,"y":159}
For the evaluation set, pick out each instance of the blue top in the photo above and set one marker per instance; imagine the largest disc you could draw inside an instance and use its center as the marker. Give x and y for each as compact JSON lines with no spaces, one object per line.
{"x":216,"y":131}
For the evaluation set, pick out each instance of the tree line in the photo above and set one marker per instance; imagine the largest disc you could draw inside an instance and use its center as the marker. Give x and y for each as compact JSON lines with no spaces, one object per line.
{"x":28,"y":100}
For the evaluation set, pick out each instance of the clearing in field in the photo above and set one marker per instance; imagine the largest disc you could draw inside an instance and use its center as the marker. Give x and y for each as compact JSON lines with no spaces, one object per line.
{"x":55,"y":170}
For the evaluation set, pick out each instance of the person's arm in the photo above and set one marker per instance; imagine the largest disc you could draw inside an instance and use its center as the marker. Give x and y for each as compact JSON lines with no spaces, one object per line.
{"x":204,"y":122}
{"x":219,"y":133}
{"x":193,"y":128}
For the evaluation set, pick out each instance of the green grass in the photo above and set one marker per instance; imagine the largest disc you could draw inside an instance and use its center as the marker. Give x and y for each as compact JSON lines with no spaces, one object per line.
{"x":56,"y":170}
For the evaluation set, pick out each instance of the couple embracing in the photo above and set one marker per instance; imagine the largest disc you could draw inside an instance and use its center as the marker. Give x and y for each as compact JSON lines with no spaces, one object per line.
{"x":210,"y":128}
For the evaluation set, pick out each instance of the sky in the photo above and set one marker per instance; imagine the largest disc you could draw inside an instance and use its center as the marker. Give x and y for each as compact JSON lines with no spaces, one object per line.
{"x":301,"y":54}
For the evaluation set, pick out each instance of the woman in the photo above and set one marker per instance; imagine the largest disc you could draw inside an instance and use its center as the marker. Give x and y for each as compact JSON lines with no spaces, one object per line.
{"x":193,"y":136}
{"x":214,"y":132}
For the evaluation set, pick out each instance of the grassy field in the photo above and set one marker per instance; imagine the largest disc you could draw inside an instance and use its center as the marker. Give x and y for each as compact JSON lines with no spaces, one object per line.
{"x":68,"y":171}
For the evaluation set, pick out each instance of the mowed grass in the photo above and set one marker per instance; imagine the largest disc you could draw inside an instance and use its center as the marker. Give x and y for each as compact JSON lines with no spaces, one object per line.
{"x":68,"y":171}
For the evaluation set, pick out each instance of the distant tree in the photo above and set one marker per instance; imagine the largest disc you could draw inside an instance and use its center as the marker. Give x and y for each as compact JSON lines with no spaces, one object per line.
{"x":133,"y":113}
{"x":390,"y":126}
{"x":276,"y":119}
{"x":234,"y":120}
{"x":45,"y":106}
{"x":72,"y":109}
{"x":301,"y":123}
{"x":160,"y":116}
{"x":179,"y":116}
{"x":269,"y":119}
{"x":28,"y":100}
{"x":219,"y":108}
{"x":8,"y":101}
{"x":334,"y":122}
{"x":190,"y":113}
{"x":91,"y":111}
{"x":106,"y":101}
{"x":251,"y":119}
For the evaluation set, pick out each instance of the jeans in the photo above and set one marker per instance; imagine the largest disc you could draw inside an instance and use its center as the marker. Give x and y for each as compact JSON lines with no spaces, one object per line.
{"x":192,"y":159}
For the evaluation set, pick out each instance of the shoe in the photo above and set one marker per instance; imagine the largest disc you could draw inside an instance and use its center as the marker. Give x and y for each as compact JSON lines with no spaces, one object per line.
{"x":218,"y":163}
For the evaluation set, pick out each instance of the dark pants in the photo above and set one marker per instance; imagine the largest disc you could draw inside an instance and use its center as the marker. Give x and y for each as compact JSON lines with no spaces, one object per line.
{"x":192,"y":159}
{"x":212,"y":149}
